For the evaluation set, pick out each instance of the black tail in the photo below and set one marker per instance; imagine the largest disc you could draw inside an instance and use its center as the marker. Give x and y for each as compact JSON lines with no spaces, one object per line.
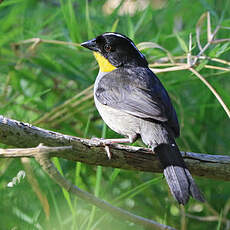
{"x":177,"y":175}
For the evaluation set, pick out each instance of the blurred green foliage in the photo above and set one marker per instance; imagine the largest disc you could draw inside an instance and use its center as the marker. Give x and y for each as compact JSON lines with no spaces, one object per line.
{"x":34,"y":82}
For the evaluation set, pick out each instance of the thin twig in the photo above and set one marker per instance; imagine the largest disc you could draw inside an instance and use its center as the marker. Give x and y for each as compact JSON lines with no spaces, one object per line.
{"x":164,"y":60}
{"x":175,"y":68}
{"x":30,"y":152}
{"x":59,"y":109}
{"x":209,"y":29}
{"x":189,"y":59}
{"x":37,"y":41}
{"x":71,"y":113}
{"x":183,"y":64}
{"x":63,"y":112}
{"x":219,"y":60}
{"x":208,"y":218}
{"x":206,"y":46}
{"x":212,"y":90}
{"x":221,"y":40}
{"x":183,"y":217}
{"x":204,"y":218}
{"x":217,"y":67}
{"x":35,"y":186}
{"x":198,"y":29}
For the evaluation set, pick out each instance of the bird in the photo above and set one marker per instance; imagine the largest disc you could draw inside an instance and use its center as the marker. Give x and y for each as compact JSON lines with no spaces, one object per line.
{"x":133,"y":102}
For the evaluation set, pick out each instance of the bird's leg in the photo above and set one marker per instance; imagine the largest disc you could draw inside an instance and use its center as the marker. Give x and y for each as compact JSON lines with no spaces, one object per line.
{"x":102,"y":141}
{"x":107,"y":142}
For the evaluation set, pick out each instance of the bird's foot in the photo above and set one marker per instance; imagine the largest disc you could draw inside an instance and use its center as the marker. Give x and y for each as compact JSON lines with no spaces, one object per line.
{"x":101,"y":141}
{"x":109,"y":155}
{"x":105,"y":143}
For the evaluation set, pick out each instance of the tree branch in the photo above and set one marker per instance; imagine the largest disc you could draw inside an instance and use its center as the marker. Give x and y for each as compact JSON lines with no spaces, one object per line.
{"x":23,"y":135}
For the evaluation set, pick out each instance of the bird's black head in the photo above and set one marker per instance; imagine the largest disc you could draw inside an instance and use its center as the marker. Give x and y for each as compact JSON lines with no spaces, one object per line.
{"x":118,"y":49}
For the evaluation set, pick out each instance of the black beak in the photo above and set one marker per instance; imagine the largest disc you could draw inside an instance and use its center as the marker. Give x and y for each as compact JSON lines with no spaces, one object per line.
{"x":91,"y":44}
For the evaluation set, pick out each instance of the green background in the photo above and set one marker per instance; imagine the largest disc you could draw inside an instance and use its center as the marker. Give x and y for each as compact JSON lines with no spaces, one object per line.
{"x":34,"y":82}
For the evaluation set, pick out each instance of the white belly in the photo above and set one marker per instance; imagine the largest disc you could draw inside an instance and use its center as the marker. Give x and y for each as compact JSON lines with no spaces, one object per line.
{"x":119,"y":121}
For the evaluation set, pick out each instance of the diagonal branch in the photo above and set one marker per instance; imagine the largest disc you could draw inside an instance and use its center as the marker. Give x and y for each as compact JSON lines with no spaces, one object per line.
{"x":212,"y":90}
{"x":42,"y":156}
{"x":23,"y":135}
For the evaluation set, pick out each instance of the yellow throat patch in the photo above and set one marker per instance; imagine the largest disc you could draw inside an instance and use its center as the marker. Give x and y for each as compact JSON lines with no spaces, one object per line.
{"x":104,"y":64}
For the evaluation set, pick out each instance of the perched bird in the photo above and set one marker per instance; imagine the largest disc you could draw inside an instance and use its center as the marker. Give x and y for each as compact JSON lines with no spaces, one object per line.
{"x":133,"y":102}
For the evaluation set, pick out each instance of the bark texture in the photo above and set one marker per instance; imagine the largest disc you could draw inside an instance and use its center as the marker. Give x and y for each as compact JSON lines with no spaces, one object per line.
{"x":22,"y":135}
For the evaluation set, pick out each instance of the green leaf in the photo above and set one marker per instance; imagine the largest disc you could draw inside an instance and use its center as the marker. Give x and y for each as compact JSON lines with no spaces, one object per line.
{"x":182,"y":43}
{"x":114,"y":26}
{"x":219,"y":49}
{"x":201,"y":65}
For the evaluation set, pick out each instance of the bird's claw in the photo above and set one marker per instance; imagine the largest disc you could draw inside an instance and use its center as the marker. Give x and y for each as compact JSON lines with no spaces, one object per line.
{"x":108,"y":152}
{"x":103,"y":142}
{"x":98,"y":141}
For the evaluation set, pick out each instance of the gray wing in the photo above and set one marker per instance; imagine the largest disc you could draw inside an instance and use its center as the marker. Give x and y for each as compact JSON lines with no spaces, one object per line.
{"x":139,"y":92}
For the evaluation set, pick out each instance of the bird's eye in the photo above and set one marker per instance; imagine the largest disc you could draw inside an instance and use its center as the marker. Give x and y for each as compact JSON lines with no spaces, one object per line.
{"x":107,"y":47}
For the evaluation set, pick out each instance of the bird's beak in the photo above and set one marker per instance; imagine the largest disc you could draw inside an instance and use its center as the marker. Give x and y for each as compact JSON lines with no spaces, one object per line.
{"x":91,"y":44}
